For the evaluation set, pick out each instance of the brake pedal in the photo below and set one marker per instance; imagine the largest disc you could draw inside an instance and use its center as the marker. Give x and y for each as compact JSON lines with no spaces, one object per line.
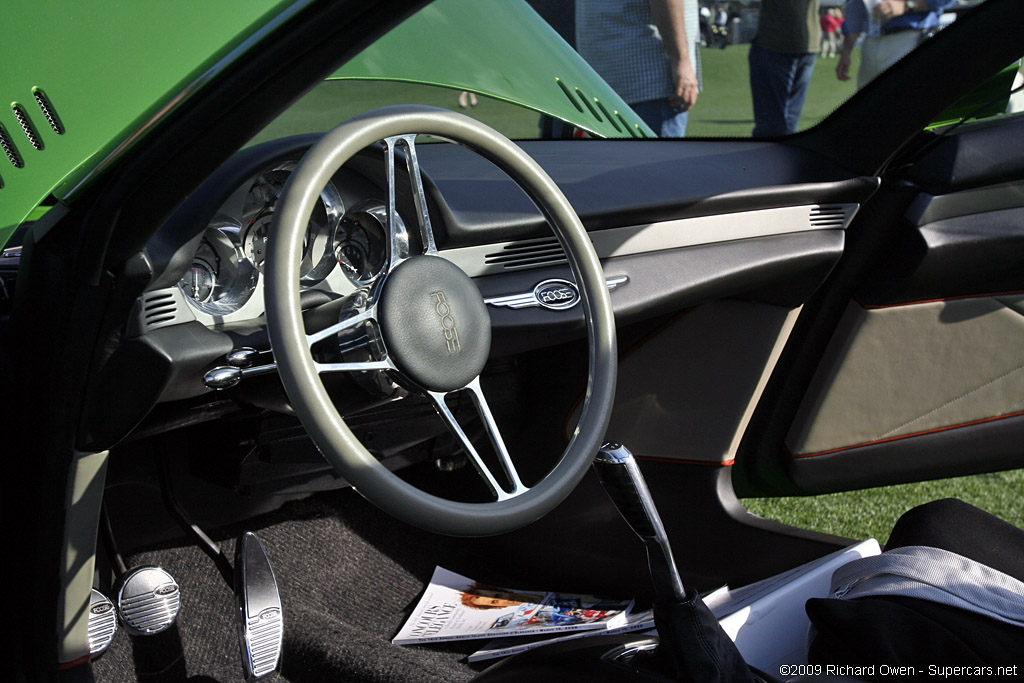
{"x":148,"y":601}
{"x":261,"y":625}
{"x":102,"y":623}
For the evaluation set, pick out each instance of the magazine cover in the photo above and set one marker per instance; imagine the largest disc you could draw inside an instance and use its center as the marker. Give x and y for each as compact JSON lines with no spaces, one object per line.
{"x":454,"y":607}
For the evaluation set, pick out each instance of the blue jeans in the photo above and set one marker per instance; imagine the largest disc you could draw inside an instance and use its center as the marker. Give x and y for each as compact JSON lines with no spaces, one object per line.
{"x":662,"y":118}
{"x":778,"y":85}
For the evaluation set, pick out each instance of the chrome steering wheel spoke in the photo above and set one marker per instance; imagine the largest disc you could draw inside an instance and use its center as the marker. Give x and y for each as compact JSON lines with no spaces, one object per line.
{"x":354,"y":366}
{"x":493,"y":434}
{"x":399,"y":235}
{"x":343,"y":325}
{"x":369,"y":316}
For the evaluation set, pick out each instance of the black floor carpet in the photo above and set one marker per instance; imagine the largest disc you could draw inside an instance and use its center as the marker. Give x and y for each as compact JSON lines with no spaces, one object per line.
{"x":348,"y":576}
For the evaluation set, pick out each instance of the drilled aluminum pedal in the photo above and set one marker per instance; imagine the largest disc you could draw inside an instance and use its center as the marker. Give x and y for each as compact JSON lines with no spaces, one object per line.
{"x":148,"y":601}
{"x":261,"y":623}
{"x":102,"y":623}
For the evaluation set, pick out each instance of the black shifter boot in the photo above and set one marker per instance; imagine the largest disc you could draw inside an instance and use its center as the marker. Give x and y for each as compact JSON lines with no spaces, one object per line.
{"x":693,"y":645}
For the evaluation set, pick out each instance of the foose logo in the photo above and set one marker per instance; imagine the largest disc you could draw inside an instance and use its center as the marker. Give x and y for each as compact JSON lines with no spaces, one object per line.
{"x":444,"y":312}
{"x":557,"y":295}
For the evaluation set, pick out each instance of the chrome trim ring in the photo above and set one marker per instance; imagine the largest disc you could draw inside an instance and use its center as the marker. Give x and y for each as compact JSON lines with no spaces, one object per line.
{"x":554,"y":294}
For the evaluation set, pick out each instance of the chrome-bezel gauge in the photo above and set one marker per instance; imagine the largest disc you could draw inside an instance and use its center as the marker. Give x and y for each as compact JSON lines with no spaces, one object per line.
{"x":318,"y":244}
{"x":361,"y":243}
{"x":198,"y":283}
{"x":219,"y":280}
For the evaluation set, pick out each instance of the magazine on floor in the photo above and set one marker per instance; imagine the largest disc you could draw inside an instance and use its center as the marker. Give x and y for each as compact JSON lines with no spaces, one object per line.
{"x":634,"y":622}
{"x":454,"y":607}
{"x":766,"y":619}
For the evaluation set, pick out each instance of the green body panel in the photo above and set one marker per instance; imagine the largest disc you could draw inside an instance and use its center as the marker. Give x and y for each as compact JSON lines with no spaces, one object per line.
{"x":502,"y":49}
{"x":987,"y":100}
{"x":106,"y":68}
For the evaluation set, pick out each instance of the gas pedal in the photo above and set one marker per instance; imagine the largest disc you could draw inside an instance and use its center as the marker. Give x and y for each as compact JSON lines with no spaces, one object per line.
{"x":148,"y":601}
{"x":261,"y":622}
{"x":102,"y":623}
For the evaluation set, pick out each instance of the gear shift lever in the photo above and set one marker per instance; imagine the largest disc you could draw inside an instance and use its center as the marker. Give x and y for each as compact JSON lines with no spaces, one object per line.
{"x":693,"y":646}
{"x":621,"y":478}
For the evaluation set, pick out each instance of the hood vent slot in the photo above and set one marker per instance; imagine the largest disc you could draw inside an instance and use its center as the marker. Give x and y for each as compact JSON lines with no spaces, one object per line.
{"x":829,"y":216}
{"x":595,"y":107}
{"x":49,"y":112}
{"x":9,"y":149}
{"x":26,"y":126}
{"x":527,"y":254}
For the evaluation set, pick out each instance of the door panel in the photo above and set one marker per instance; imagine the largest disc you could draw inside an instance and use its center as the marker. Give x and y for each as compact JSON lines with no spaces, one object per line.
{"x":898,"y":372}
{"x":923,"y":374}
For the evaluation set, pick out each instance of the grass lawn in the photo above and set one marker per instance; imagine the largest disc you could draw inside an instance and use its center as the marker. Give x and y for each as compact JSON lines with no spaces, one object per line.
{"x":333,"y":102}
{"x":724,"y":108}
{"x":872,"y":512}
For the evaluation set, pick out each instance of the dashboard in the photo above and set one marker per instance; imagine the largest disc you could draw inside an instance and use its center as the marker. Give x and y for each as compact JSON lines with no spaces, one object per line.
{"x":205,"y":302}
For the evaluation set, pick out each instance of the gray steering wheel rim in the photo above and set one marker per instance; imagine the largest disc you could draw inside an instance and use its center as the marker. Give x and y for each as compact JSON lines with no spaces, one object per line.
{"x":305,"y":389}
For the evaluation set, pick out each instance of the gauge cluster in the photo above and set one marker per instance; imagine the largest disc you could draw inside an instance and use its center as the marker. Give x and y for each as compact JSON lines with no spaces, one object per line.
{"x":344,"y":247}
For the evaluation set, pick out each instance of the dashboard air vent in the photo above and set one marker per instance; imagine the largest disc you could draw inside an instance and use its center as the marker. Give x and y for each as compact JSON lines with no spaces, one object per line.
{"x":527,"y":254}
{"x":829,"y":216}
{"x":159,"y":308}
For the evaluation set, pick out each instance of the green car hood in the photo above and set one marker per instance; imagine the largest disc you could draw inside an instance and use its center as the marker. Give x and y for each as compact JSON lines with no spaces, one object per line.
{"x":502,"y":49}
{"x":83,"y":82}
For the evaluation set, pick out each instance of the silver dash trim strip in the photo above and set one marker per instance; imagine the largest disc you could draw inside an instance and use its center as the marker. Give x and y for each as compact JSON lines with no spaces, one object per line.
{"x":673,"y":234}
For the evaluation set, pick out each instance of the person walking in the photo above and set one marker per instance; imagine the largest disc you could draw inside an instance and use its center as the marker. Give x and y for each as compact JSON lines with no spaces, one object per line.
{"x":891,"y":29}
{"x":781,"y":58}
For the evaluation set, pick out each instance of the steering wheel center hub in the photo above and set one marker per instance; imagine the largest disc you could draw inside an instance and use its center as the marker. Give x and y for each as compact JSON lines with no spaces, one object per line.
{"x":434,"y":323}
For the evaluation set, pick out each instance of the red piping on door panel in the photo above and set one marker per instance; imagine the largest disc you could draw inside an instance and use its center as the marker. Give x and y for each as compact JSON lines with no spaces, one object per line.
{"x":907,"y":436}
{"x":681,"y":461}
{"x":877,"y":307}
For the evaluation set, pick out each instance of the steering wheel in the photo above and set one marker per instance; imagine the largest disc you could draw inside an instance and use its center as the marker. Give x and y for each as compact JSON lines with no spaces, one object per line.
{"x":430,"y":323}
